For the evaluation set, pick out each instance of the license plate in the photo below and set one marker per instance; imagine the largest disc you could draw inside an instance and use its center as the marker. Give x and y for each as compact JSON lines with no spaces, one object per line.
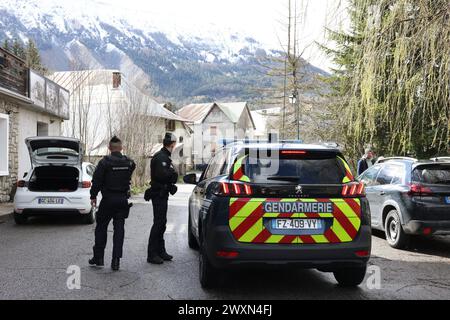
{"x":51,"y":200}
{"x":296,"y":224}
{"x":447,"y":199}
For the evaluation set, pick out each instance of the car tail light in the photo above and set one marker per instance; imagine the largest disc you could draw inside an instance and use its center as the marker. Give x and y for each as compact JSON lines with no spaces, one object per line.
{"x":353,"y":189}
{"x":20,"y":183}
{"x":417,"y":189}
{"x":362,"y":253}
{"x":86,"y":184}
{"x":427,"y":231}
{"x":234,"y":189}
{"x":227,"y":254}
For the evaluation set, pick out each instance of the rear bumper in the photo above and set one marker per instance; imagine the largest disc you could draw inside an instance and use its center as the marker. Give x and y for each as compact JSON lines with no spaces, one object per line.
{"x":26,"y":202}
{"x":416,"y":227}
{"x":52,"y":212}
{"x":321,"y":256}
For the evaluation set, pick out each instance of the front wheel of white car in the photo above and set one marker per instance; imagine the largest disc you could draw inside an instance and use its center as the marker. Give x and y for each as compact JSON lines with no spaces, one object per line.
{"x":89,"y":218}
{"x":20,"y":218}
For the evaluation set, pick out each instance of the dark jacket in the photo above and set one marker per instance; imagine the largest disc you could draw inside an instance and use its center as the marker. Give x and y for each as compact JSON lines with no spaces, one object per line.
{"x":112,"y":176}
{"x":362,"y":165}
{"x":163,"y":173}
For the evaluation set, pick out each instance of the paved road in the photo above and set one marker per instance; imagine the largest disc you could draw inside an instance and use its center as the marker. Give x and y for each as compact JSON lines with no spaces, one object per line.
{"x":34,"y":259}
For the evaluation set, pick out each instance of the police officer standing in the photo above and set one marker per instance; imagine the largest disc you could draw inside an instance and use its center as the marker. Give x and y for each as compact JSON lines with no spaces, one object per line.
{"x":112,"y":178}
{"x":163,"y":179}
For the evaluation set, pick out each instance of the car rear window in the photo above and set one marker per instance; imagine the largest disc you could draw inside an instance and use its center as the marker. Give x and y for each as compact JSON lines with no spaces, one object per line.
{"x":309,"y":168}
{"x":432,"y":174}
{"x":52,"y":151}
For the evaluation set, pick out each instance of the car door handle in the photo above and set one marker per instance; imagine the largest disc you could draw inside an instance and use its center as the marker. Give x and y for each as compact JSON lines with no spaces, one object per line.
{"x":382,"y":193}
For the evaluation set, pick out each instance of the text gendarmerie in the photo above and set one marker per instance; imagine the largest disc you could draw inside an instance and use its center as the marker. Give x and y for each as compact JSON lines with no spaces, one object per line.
{"x":298,"y":207}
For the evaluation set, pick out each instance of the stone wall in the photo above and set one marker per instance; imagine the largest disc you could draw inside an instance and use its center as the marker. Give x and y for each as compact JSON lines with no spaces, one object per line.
{"x":7,"y":183}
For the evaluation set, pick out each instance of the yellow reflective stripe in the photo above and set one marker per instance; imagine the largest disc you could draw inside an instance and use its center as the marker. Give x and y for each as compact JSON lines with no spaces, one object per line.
{"x":350,"y":214}
{"x":340,"y":232}
{"x":345,"y":164}
{"x":275,"y":238}
{"x":252,"y":233}
{"x":235,"y":222}
{"x":233,"y":200}
{"x":245,"y":178}
{"x":320,"y":238}
{"x":346,"y":180}
{"x":356,"y":222}
{"x":238,"y":164}
{"x":271,"y":215}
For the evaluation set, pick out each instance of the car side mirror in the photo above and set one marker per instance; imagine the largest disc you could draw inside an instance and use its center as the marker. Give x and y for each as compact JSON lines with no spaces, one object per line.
{"x":190,"y":178}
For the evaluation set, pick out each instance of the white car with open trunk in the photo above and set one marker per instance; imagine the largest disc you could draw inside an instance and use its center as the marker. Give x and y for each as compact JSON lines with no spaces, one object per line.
{"x":59,"y":181}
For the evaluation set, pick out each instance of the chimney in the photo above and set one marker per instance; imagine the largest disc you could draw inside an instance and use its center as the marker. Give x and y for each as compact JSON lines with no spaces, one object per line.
{"x":117,"y":80}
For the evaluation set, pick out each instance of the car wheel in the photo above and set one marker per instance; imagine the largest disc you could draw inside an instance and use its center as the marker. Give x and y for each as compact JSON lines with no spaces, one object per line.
{"x":89,"y":218}
{"x":20,"y":218}
{"x":208,"y":274}
{"x":350,"y":277}
{"x":192,"y":241}
{"x":395,"y":235}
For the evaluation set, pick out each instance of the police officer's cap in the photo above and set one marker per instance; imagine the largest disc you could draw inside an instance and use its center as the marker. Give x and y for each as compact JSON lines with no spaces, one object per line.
{"x":169,"y":138}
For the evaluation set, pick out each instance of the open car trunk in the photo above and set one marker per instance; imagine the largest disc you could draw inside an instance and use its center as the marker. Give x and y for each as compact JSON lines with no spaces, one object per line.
{"x":54,"y":179}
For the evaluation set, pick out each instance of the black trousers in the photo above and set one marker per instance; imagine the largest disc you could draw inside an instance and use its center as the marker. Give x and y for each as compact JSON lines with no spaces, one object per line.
{"x":156,"y":244}
{"x":116,"y":209}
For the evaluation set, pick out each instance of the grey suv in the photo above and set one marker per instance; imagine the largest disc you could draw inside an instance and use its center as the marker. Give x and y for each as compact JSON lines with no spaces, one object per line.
{"x":408,"y":197}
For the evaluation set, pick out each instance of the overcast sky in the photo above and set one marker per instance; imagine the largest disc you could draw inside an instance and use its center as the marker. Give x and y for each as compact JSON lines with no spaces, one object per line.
{"x":262,"y":19}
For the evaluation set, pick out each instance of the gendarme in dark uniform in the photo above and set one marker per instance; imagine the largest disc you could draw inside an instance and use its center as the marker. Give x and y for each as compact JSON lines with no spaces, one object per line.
{"x":163,"y":179}
{"x":112,"y":178}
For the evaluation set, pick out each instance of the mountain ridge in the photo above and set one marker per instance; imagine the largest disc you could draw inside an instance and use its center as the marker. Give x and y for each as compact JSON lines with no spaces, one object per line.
{"x":189,"y":66}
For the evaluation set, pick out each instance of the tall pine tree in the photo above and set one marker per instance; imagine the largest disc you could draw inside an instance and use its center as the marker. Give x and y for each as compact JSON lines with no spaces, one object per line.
{"x":33,"y":57}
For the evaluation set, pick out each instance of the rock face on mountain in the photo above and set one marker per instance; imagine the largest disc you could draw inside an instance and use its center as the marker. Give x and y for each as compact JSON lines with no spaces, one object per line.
{"x":173,"y":61}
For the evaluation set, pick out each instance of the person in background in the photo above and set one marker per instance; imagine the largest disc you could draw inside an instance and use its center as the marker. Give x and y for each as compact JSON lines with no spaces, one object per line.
{"x":366,"y":161}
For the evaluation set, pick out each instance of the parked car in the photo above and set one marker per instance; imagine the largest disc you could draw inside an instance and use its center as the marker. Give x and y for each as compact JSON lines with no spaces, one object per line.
{"x":383,"y":159}
{"x":58,"y":182}
{"x":303,"y":211}
{"x":408,"y":197}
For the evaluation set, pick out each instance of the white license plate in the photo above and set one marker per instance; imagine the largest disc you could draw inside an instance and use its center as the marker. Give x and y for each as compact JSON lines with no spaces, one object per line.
{"x":51,"y":200}
{"x":297,"y":224}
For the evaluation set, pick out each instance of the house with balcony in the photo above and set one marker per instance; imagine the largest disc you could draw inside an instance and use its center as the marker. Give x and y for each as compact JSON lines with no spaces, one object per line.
{"x":30,"y":105}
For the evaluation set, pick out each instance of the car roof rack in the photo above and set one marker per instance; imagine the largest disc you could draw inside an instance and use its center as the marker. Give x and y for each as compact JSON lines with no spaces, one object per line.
{"x":382,"y":160}
{"x":441,"y":159}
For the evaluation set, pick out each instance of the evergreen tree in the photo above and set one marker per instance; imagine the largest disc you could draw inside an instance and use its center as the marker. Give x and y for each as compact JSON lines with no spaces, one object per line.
{"x":6,"y":45}
{"x":18,"y":49}
{"x":392,"y":82}
{"x":33,"y":57}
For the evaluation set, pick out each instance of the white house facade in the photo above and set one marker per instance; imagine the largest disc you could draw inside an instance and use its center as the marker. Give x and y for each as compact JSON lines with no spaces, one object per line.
{"x":213,"y":122}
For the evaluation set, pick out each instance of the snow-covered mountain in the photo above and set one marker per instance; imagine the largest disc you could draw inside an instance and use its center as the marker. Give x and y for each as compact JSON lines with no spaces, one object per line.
{"x":173,"y":57}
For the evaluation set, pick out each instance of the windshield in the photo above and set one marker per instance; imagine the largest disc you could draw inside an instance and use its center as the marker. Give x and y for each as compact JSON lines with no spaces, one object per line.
{"x":309,"y":168}
{"x":432,"y":174}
